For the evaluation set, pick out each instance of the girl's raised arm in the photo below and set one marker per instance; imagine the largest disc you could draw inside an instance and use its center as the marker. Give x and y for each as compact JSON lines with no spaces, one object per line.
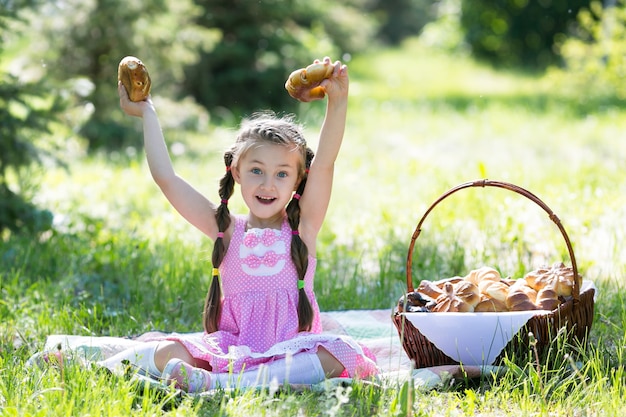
{"x":316,"y":195}
{"x":192,"y":205}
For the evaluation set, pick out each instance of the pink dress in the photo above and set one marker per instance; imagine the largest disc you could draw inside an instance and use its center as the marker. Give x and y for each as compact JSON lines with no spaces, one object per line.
{"x":259,"y":321}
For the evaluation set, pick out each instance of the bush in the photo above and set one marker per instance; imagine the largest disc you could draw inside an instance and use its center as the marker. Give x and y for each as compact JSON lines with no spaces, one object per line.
{"x":518,"y":32}
{"x":594,"y":70}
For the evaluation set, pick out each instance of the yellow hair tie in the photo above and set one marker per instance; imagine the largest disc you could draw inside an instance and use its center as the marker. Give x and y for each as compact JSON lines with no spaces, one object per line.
{"x":300,"y":284}
{"x":216,"y":272}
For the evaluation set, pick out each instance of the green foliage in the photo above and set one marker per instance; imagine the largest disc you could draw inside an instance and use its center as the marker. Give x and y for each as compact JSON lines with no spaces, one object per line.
{"x":518,"y":32}
{"x":262,"y":42}
{"x":82,"y":42}
{"x":594,"y":71}
{"x":26,"y":111}
{"x":401,"y":19}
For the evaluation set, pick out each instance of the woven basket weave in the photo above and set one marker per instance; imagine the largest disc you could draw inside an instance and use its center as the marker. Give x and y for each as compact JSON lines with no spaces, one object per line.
{"x":574,"y":315}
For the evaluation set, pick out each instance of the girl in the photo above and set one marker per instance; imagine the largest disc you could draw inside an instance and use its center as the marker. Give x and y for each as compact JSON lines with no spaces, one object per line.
{"x":261,"y":318}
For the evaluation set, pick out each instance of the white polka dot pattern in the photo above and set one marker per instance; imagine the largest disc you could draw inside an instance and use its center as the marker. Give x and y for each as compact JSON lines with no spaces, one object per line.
{"x":259,"y":319}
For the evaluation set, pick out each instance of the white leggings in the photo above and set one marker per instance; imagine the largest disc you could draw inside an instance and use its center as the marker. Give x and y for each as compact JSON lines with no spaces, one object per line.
{"x":140,"y":357}
{"x":301,"y":368}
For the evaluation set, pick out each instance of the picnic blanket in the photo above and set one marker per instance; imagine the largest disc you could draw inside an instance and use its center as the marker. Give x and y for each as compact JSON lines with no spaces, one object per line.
{"x":372,"y":328}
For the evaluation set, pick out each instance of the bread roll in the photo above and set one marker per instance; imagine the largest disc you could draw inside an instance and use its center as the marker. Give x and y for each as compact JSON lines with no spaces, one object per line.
{"x":521,"y":297}
{"x":485,"y":273}
{"x":490,"y":305}
{"x":494,"y":289}
{"x":135,"y":78}
{"x":547,"y":299}
{"x":467,"y":292}
{"x":450,"y":302}
{"x":558,"y":276}
{"x":429,"y":289}
{"x":304,"y":84}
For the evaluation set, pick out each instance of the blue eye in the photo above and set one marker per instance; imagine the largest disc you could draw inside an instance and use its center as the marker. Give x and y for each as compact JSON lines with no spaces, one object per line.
{"x":282,"y":174}
{"x":255,"y":171}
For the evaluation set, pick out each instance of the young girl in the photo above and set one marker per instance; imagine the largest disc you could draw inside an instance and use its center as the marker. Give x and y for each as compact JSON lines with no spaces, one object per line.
{"x":261,"y":318}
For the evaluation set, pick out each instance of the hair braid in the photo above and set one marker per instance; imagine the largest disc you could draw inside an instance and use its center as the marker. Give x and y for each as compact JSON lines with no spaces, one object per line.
{"x":212,"y":304}
{"x":300,"y":252}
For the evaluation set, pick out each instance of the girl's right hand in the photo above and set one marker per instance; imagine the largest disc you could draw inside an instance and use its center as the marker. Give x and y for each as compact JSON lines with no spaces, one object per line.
{"x":132,"y":108}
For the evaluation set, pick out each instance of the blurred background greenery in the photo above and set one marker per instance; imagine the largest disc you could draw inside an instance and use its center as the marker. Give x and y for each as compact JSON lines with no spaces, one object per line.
{"x":213,"y":61}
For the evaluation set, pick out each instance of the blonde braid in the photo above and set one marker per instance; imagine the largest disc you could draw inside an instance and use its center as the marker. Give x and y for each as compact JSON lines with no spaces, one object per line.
{"x":212,"y":303}
{"x":300,"y":252}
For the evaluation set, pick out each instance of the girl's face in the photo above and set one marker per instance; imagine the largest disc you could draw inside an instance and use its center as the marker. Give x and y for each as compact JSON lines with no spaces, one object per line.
{"x":268,"y":176}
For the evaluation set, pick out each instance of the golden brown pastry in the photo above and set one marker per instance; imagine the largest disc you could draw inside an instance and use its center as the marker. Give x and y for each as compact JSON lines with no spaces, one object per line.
{"x":450,"y":302}
{"x":135,"y":78}
{"x":429,"y":289}
{"x":304,"y":84}
{"x":521,"y":297}
{"x":494,"y":289}
{"x":547,"y":299}
{"x":467,"y":292}
{"x":491,"y":305}
{"x":485,"y":273}
{"x":558,"y":276}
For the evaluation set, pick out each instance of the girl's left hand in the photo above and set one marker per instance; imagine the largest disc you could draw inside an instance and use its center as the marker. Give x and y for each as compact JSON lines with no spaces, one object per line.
{"x":336,"y":86}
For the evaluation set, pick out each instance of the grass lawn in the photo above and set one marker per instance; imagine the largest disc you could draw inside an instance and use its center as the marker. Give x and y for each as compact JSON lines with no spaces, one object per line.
{"x":121,"y":262}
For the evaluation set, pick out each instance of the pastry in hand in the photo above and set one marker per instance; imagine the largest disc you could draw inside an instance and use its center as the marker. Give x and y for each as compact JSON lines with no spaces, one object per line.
{"x":135,"y":78}
{"x":304,"y":84}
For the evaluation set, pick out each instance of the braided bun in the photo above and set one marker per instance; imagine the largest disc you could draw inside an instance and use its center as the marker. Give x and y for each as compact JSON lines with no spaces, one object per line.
{"x":547,"y":299}
{"x":497,"y":290}
{"x":467,"y":292}
{"x":485,"y":273}
{"x":521,"y":297}
{"x":559,"y":277}
{"x":490,"y":305}
{"x":429,"y":289}
{"x":450,"y":302}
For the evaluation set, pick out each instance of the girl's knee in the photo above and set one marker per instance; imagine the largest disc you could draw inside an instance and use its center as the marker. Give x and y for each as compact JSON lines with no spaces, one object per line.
{"x":169,"y":349}
{"x":331,"y":366}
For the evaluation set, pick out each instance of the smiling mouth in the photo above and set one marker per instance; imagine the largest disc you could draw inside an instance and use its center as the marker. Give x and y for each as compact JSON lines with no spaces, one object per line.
{"x":265,"y":200}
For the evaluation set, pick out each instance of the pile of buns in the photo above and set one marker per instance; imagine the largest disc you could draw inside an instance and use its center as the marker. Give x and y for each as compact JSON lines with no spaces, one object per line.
{"x":304,"y":84}
{"x":484,"y":290}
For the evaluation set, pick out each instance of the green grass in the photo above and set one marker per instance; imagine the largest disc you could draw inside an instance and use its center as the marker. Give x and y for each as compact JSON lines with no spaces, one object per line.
{"x":121,"y":261}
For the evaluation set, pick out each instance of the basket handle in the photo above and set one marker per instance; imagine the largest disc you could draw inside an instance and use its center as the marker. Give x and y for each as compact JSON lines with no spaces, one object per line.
{"x":489,"y":183}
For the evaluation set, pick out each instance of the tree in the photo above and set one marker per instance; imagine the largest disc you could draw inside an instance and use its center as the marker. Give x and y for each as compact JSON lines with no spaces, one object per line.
{"x":25,"y":114}
{"x":262,"y":42}
{"x":85,"y":41}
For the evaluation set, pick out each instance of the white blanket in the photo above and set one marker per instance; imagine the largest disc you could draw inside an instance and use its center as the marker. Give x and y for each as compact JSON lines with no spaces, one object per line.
{"x":372,"y":328}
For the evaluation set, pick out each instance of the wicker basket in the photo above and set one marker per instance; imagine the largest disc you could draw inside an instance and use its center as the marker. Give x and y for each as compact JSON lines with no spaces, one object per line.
{"x":575,"y":315}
